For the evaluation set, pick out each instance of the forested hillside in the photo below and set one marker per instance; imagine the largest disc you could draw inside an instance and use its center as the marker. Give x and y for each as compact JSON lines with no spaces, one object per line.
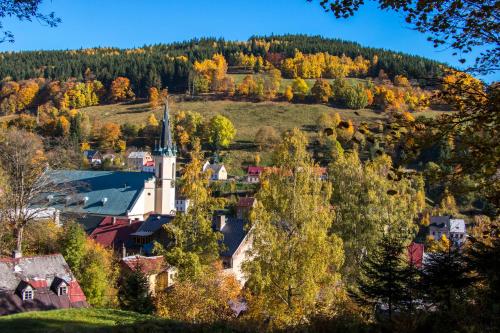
{"x":169,"y":65}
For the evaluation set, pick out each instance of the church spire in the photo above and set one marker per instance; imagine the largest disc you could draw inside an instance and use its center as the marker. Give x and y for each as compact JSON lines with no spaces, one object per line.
{"x":166,"y":146}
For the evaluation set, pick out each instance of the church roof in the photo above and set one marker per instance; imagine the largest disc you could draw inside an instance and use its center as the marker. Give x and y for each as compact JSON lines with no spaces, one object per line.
{"x":98,"y":192}
{"x":166,"y":146}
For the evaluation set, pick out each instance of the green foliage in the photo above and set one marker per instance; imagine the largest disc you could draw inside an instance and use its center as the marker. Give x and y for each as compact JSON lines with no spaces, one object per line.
{"x":355,"y":97}
{"x":73,"y":245}
{"x":221,"y":131}
{"x":133,"y":293}
{"x":296,"y":260}
{"x":367,"y":202}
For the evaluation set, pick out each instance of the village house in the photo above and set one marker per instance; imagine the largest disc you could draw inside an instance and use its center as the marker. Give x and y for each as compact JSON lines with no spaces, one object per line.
{"x":453,"y":229}
{"x":149,"y":167}
{"x":217,"y":170}
{"x":236,"y":242}
{"x":93,"y":157}
{"x":182,"y":204}
{"x":159,"y":274}
{"x":38,"y":283}
{"x":253,"y":174}
{"x":108,"y":157}
{"x":244,"y":206}
{"x":416,"y":254}
{"x":115,"y":233}
{"x":137,"y":159}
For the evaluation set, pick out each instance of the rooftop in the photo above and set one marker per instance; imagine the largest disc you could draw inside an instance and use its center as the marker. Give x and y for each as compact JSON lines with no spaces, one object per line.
{"x":98,"y":192}
{"x":116,"y":234}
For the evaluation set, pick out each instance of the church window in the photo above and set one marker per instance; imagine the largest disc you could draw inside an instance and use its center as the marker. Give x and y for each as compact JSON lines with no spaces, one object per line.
{"x":173,"y":170}
{"x":160,"y":171}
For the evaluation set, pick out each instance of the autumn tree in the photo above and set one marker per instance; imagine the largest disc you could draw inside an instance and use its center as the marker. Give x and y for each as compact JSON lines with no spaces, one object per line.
{"x":23,"y":166}
{"x":295,"y":260}
{"x":193,"y":243}
{"x":288,"y":94}
{"x":221,"y":131}
{"x":300,"y":88}
{"x":368,"y":199}
{"x":154,"y":97}
{"x":321,"y":91}
{"x":109,"y":135}
{"x":120,"y":89}
{"x":205,"y":299}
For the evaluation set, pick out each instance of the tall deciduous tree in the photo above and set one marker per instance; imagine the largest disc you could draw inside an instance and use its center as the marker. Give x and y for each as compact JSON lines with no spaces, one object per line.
{"x":368,"y":199}
{"x":295,"y":260}
{"x":193,"y":243}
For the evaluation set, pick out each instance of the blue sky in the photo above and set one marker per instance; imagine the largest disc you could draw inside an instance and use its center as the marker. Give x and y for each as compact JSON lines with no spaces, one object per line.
{"x":129,"y":23}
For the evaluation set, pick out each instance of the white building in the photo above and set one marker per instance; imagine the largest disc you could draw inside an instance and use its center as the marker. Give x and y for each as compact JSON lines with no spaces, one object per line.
{"x":137,"y":159}
{"x":182,"y":205}
{"x":217,"y":170}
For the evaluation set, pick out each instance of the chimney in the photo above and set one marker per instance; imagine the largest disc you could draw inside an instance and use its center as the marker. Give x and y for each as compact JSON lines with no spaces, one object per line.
{"x":114,"y":219}
{"x":124,"y":251}
{"x":17,"y":254}
{"x":220,"y":222}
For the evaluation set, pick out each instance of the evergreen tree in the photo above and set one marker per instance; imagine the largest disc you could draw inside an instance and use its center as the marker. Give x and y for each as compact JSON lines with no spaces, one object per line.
{"x":133,"y":293}
{"x":382,"y":280}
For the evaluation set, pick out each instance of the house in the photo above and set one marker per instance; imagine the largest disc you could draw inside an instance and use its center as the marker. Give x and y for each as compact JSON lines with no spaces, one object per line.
{"x":137,"y":159}
{"x":253,"y":174}
{"x":182,"y":204}
{"x":244,"y":206}
{"x":321,"y":173}
{"x":152,"y":230}
{"x":160,"y":275}
{"x":94,"y":157}
{"x":453,"y":229}
{"x":217,"y":170}
{"x":236,"y":242}
{"x":38,"y":283}
{"x":128,"y":195}
{"x":115,"y":233}
{"x":149,"y":167}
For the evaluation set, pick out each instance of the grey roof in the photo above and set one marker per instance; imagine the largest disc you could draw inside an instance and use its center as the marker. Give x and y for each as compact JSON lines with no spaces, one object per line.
{"x":88,"y":222}
{"x":215,"y":167}
{"x":439,"y":221}
{"x":118,"y":189}
{"x":152,"y":224}
{"x":138,"y":154}
{"x":13,"y":271}
{"x":234,"y":233}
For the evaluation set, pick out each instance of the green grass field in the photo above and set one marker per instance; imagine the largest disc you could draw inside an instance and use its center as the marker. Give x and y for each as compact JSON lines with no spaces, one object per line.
{"x":97,"y":321}
{"x":72,"y":320}
{"x":247,"y":117}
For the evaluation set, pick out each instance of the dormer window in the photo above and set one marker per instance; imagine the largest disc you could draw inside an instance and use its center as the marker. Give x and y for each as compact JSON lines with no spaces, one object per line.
{"x":28,"y":294}
{"x":62,"y":290}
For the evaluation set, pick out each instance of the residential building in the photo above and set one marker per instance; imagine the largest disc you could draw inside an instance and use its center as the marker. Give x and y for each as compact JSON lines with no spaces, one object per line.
{"x":149,"y":167}
{"x":160,"y":275}
{"x":94,"y":157}
{"x":453,"y":229}
{"x":253,"y":174}
{"x":244,"y":206}
{"x":217,"y":170}
{"x":38,"y":283}
{"x":416,"y":254}
{"x":182,"y":205}
{"x":137,"y":159}
{"x":115,"y":233}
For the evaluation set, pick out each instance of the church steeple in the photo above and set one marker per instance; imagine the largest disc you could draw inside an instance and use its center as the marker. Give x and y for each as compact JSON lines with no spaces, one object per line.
{"x":166,"y":146}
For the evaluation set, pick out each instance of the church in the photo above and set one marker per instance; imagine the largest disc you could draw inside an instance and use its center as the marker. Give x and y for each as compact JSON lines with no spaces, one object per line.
{"x":121,"y":194}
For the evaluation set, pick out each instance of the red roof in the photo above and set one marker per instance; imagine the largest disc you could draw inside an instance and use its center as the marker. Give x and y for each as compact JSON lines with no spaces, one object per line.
{"x":148,"y":265}
{"x":149,"y":164}
{"x":76,"y":293}
{"x":37,"y":283}
{"x":255,"y":170}
{"x":246,"y":202}
{"x":416,"y":254}
{"x":110,"y":234}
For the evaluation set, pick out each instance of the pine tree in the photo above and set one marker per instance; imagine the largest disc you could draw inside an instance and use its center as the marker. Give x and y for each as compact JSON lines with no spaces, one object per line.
{"x":134,"y":292}
{"x":381,"y":282}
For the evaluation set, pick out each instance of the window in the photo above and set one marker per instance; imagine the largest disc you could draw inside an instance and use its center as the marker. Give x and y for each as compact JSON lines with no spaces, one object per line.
{"x":160,"y":171}
{"x":62,"y":290}
{"x":27,"y":294}
{"x":173,"y":170}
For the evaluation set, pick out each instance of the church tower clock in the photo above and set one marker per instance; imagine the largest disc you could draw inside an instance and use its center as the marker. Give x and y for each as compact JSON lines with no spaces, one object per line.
{"x":164,"y":156}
